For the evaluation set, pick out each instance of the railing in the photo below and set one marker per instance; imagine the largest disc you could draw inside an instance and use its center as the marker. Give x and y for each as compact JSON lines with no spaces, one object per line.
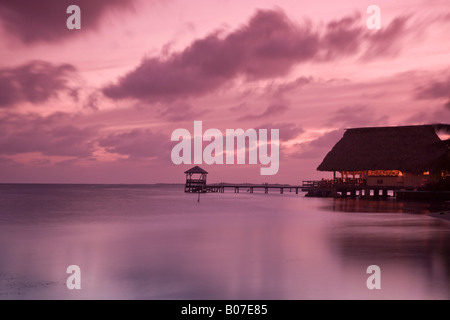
{"x":196,"y":181}
{"x":330,"y":184}
{"x":311,"y":184}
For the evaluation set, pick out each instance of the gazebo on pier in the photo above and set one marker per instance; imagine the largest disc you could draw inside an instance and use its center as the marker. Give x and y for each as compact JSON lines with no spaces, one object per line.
{"x":195,"y":180}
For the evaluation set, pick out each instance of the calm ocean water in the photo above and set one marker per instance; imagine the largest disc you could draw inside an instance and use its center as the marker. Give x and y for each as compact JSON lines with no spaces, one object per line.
{"x":155,"y":242}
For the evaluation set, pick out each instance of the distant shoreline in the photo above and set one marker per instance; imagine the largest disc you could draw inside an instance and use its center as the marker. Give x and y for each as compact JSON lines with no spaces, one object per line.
{"x":89,"y":184}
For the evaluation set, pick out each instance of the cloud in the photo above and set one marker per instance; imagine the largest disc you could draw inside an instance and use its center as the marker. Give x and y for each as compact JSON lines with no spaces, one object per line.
{"x":271,"y":111}
{"x":434,"y":90}
{"x":356,"y":116}
{"x":6,"y":162}
{"x":138,"y":144}
{"x":288,"y":130}
{"x":45,"y":20}
{"x":295,"y":85}
{"x":270,"y":45}
{"x":40,"y":162}
{"x":92,"y":101}
{"x":385,"y":42}
{"x":343,"y":37}
{"x":430,"y":116}
{"x":266,"y":47}
{"x":34,"y":82}
{"x":317,"y":148}
{"x":51,"y":136}
{"x":179,"y":111}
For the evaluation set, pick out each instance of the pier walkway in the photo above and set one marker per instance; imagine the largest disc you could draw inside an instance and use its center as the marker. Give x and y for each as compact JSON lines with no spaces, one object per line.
{"x":348,"y":188}
{"x":250,"y":188}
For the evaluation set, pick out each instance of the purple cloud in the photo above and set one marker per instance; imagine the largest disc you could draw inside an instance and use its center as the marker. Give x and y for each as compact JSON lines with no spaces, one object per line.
{"x":63,"y":134}
{"x":138,"y":143}
{"x":385,"y":42}
{"x":179,"y":111}
{"x":267,"y":47}
{"x":343,"y":37}
{"x":34,"y":82}
{"x":317,"y":148}
{"x":288,"y":130}
{"x":434,"y":90}
{"x":430,"y":116}
{"x":356,"y":116}
{"x":297,"y":84}
{"x":45,"y":20}
{"x":271,"y":111}
{"x":47,"y":135}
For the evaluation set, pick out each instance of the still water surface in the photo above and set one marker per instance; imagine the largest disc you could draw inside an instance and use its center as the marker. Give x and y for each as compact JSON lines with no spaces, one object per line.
{"x":155,"y":242}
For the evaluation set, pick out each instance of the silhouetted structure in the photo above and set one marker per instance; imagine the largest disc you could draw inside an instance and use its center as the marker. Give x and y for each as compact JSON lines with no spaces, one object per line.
{"x":382,"y":159}
{"x":195,"y":180}
{"x":196,"y":183}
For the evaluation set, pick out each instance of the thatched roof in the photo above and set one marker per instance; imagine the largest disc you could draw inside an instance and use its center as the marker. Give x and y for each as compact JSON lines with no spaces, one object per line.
{"x":196,"y":169}
{"x":413,"y":149}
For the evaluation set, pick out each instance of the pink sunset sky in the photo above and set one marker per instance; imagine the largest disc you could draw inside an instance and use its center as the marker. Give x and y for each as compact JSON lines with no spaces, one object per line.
{"x":99,"y":105}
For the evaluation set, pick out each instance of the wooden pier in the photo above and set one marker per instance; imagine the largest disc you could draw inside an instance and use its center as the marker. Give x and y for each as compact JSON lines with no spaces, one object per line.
{"x":250,"y":188}
{"x":196,"y":183}
{"x":348,"y":188}
{"x":337,"y":187}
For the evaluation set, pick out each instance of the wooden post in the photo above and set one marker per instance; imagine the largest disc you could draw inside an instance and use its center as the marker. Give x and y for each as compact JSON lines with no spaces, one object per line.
{"x":376,"y":193}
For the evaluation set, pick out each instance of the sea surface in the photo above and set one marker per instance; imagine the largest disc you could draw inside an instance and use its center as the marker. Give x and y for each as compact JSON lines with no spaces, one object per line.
{"x":156,"y":242}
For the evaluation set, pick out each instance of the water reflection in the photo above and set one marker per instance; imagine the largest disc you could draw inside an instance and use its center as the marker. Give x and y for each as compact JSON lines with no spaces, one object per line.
{"x":385,"y":206}
{"x":159,"y":243}
{"x":411,"y":247}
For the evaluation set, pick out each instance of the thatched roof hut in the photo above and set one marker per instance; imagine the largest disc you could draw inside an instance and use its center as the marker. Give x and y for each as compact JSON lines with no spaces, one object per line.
{"x":412,"y":149}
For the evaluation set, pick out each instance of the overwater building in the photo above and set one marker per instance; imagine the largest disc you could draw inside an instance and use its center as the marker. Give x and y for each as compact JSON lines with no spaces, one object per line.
{"x":385,"y":158}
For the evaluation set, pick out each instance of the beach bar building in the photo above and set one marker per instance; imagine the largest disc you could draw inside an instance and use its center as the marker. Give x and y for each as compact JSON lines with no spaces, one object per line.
{"x":374,"y":161}
{"x":195,"y":180}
